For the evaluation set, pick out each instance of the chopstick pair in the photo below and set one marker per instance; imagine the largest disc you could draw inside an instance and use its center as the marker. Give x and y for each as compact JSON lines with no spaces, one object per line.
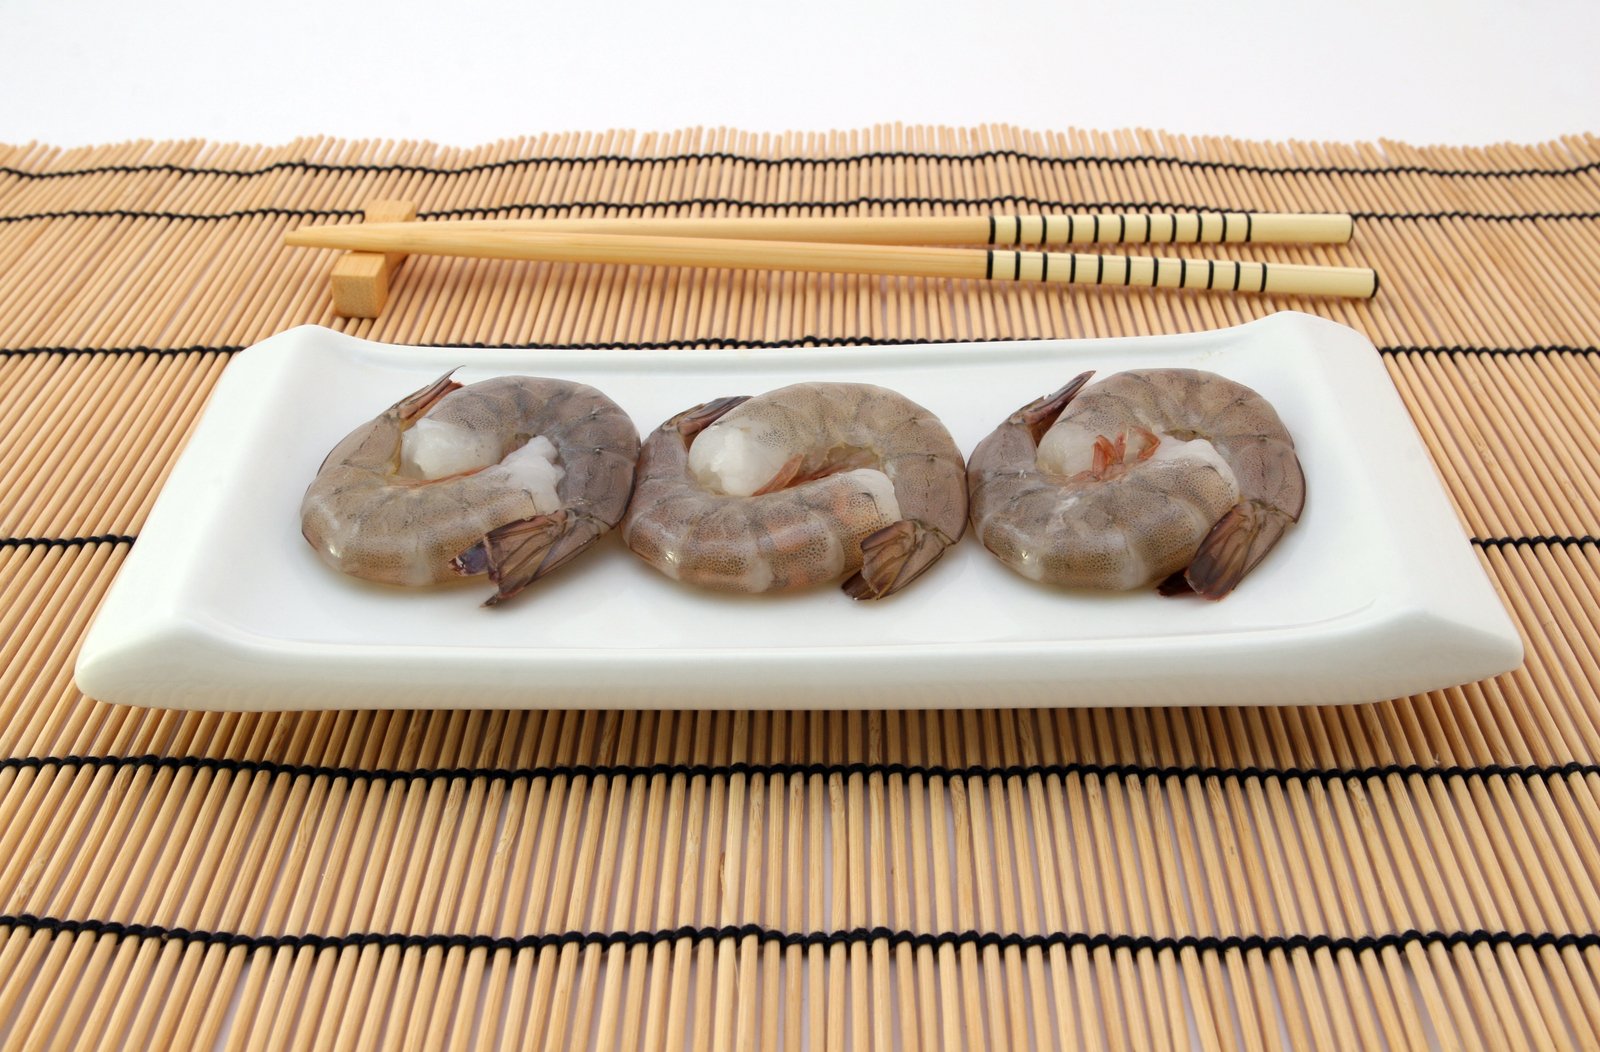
{"x":894,"y":246}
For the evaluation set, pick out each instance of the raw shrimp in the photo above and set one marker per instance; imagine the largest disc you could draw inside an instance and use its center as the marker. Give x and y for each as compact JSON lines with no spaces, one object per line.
{"x":1147,"y":474}
{"x":512,"y":477}
{"x":797,"y":487}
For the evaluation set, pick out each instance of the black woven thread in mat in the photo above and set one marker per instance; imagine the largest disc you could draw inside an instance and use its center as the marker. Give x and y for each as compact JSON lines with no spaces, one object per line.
{"x":750,"y":344}
{"x":1298,"y":775}
{"x":997,"y":201}
{"x":845,"y":937}
{"x":843,"y":160}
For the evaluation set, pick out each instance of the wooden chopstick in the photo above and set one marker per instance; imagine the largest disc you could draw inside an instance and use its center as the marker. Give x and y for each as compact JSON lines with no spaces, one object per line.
{"x":1065,"y":229}
{"x":1067,"y":268}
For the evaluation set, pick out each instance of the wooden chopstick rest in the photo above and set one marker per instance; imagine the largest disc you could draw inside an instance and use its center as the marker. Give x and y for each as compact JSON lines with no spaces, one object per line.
{"x":360,"y":280}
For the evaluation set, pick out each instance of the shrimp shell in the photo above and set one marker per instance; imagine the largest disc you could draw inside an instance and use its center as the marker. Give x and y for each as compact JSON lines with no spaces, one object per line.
{"x":365,"y":519}
{"x":824,"y":515}
{"x":1150,"y":501}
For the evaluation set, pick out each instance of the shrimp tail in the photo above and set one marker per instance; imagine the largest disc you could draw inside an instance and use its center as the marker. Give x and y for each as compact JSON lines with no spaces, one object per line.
{"x":1238,"y":541}
{"x":519,"y":553}
{"x":691,"y":422}
{"x":417,"y":404}
{"x":1039,"y":415}
{"x":893,"y":557}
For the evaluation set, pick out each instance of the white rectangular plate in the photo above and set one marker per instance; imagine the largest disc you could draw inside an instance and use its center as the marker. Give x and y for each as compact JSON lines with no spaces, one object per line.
{"x":222,"y":605}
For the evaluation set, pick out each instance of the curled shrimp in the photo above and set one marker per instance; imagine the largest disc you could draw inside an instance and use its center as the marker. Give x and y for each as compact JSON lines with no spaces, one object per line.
{"x":1176,"y":476}
{"x":512,"y":477}
{"x":798,"y":487}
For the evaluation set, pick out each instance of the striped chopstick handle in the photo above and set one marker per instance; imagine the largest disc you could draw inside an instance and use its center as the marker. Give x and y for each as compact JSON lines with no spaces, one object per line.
{"x":1076,"y":268}
{"x":992,"y":263}
{"x":1169,"y":228}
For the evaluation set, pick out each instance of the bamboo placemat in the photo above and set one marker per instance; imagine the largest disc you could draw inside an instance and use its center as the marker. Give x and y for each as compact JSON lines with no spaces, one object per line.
{"x":1419,"y":871}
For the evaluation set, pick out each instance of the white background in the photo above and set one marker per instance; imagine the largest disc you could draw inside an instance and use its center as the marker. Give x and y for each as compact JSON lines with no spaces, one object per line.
{"x":465,"y":73}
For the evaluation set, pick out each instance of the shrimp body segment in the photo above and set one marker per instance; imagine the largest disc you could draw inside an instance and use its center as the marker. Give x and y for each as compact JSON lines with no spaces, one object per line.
{"x":1172,"y":476}
{"x":512,"y":477}
{"x":798,"y":487}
